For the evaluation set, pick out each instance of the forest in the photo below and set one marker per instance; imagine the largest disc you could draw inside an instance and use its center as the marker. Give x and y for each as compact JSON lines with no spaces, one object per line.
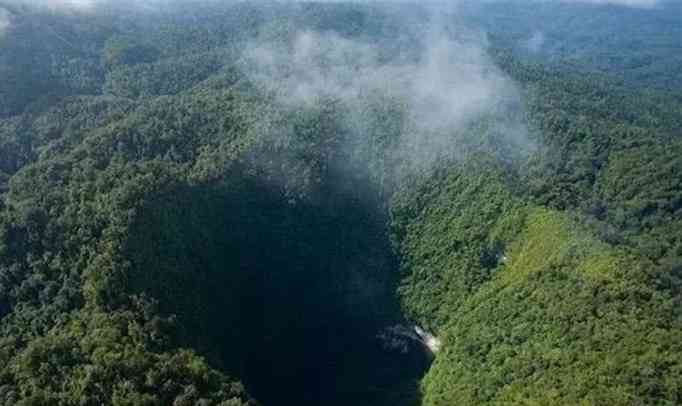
{"x":244,"y":203}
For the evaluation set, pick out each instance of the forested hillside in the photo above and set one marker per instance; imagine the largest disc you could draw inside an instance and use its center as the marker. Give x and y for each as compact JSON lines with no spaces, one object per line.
{"x":234,"y":203}
{"x":632,"y":45}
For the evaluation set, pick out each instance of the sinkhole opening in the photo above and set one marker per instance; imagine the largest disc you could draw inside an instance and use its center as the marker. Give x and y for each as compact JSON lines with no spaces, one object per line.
{"x":294,"y":298}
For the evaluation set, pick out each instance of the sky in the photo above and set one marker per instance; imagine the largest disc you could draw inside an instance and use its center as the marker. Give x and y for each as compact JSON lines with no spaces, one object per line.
{"x":85,"y":4}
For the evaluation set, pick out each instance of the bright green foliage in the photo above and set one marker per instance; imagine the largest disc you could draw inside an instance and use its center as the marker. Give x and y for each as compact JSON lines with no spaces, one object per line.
{"x":452,"y":232}
{"x":558,"y":318}
{"x":567,"y":321}
{"x":169,"y":229}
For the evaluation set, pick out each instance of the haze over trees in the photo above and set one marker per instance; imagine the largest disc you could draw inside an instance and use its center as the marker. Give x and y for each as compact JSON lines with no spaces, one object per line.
{"x":242,"y":203}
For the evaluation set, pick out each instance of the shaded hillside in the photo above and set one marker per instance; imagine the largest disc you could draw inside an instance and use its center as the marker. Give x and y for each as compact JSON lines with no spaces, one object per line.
{"x":235,"y":204}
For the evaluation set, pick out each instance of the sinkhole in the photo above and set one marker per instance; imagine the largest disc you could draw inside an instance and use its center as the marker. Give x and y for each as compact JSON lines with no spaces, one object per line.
{"x":293,"y":298}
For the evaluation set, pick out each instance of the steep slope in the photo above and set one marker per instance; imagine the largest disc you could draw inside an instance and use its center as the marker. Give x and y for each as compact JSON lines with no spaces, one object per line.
{"x":530,"y":307}
{"x":174,"y":230}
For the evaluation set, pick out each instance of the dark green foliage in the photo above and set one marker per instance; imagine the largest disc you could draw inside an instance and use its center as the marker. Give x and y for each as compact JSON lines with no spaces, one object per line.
{"x":117,"y":358}
{"x":168,"y":229}
{"x":120,"y":50}
{"x":638,"y":46}
{"x":284,"y":280}
{"x":43,"y":58}
{"x":166,"y":77}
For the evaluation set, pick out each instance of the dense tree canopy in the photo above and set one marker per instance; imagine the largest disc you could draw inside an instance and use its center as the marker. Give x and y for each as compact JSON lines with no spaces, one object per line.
{"x":174,"y":232}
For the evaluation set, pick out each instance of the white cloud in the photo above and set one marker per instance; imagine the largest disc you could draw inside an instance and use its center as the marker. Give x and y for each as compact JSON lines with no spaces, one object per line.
{"x":444,"y":89}
{"x":451,"y":80}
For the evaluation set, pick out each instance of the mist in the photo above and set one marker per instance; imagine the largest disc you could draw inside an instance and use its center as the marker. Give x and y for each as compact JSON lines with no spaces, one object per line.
{"x":536,"y":42}
{"x":436,"y":77}
{"x":442,"y":83}
{"x":54,"y":4}
{"x":85,"y":6}
{"x":4,"y":22}
{"x":626,"y":3}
